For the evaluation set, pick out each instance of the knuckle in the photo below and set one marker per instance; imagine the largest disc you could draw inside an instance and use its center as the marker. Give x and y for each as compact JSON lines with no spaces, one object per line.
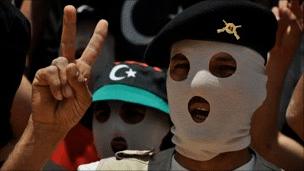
{"x":55,"y":84}
{"x":84,"y":69}
{"x":40,"y":72}
{"x":83,"y":66}
{"x":55,"y":88}
{"x":70,"y":66}
{"x":51,"y":70}
{"x":60,"y":61}
{"x":72,"y":70}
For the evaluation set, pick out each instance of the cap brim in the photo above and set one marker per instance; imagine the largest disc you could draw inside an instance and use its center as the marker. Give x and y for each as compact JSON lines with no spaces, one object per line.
{"x":130,"y":94}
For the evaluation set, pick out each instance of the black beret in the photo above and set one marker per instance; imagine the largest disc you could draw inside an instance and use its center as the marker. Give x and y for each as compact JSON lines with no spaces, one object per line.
{"x":238,"y":22}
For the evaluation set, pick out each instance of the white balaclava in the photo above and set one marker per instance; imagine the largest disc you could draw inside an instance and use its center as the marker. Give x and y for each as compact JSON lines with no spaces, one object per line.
{"x":119,"y":126}
{"x":231,"y":99}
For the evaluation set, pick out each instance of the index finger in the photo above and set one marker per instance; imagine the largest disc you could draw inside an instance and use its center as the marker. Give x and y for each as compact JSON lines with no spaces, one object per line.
{"x":96,"y":43}
{"x":283,"y":3}
{"x":68,"y":36}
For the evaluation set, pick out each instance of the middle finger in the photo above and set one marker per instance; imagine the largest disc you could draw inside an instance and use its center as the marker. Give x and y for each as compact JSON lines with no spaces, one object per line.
{"x":68,"y":36}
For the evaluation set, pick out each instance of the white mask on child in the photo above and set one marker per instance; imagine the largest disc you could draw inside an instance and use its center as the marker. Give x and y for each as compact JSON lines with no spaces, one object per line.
{"x":116,"y":132}
{"x":232,"y":99}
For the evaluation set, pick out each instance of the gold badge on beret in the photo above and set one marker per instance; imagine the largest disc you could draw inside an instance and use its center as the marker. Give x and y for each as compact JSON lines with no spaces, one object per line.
{"x":230,"y":28}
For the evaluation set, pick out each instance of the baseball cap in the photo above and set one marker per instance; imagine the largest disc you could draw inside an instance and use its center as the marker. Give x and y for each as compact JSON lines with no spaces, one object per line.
{"x":132,"y":82}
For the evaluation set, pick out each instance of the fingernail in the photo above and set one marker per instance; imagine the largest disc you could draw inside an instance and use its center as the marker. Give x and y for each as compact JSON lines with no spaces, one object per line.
{"x":80,"y":79}
{"x":68,"y":91}
{"x":59,"y":96}
{"x":77,"y":73}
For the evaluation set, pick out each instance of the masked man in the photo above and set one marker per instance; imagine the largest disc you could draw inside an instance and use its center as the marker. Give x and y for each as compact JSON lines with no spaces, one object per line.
{"x":130,"y":110}
{"x":215,"y":51}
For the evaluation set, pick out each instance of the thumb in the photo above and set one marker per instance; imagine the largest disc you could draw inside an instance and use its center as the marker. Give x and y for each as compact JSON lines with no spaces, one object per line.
{"x":82,"y":95}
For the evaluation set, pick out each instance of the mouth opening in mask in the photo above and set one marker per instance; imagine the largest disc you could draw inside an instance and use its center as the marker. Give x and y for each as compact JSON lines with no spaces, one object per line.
{"x":118,"y":144}
{"x":199,"y":109}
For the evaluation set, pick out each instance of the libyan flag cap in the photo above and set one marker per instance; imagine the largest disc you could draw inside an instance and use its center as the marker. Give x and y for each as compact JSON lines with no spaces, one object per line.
{"x":132,"y":82}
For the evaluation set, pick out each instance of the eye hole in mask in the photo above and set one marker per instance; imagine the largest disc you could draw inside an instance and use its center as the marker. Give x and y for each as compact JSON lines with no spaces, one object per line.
{"x":199,"y":109}
{"x":222,"y":65}
{"x":102,"y":111}
{"x":132,"y":113}
{"x":179,"y":67}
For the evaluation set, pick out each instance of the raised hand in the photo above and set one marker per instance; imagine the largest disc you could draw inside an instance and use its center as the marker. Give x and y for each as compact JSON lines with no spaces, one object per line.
{"x":60,"y":92}
{"x":60,"y":97}
{"x":266,"y":137}
{"x":290,"y":28}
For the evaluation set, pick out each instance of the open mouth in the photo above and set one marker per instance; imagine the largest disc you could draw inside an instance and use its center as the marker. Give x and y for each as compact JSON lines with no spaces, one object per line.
{"x":118,"y":144}
{"x":199,"y":109}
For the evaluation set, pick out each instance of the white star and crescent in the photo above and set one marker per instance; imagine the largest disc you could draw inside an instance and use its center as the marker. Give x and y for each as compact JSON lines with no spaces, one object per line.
{"x":129,"y":73}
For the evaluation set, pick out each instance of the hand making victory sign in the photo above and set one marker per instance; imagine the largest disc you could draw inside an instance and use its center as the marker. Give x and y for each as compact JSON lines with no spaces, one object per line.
{"x":60,"y":97}
{"x":60,"y":92}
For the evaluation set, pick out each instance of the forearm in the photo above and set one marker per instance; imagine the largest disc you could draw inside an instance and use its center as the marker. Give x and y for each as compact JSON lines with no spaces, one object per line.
{"x":264,"y":127}
{"x":35,"y":147}
{"x":266,"y":138}
{"x":295,"y":111}
{"x":284,"y":152}
{"x":21,"y":108}
{"x":296,"y":124}
{"x":278,"y":149}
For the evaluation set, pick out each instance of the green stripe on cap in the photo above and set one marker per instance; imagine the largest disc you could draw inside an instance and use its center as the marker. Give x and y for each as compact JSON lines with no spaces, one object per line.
{"x":130,"y":94}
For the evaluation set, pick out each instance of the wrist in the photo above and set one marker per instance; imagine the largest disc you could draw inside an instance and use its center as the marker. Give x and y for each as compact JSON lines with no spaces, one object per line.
{"x":35,"y":147}
{"x":48,"y":128}
{"x":42,"y":134}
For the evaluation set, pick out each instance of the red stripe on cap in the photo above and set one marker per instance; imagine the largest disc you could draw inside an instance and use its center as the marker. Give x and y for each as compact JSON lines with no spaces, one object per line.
{"x":157,"y":69}
{"x":138,"y":63}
